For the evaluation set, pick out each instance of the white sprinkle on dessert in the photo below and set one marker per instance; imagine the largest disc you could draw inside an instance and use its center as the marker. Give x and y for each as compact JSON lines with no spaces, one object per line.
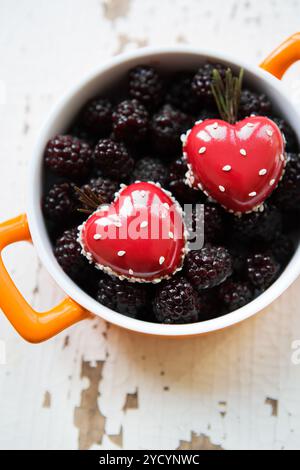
{"x":262,"y":172}
{"x":222,"y":189}
{"x":161,"y":260}
{"x":183,"y":138}
{"x":226,"y":168}
{"x":97,"y":236}
{"x":243,"y":152}
{"x":121,"y":253}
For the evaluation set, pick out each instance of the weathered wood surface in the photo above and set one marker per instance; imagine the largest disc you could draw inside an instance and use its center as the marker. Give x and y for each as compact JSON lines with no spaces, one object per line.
{"x":96,"y":386}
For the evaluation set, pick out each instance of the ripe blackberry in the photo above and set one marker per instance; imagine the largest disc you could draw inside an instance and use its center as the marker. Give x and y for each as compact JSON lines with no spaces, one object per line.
{"x":258,"y":226}
{"x":287,"y":195}
{"x":289,"y":135}
{"x":254,"y":103}
{"x":150,"y":169}
{"x":145,"y":85}
{"x":130,"y":121}
{"x":208,"y":267}
{"x":180,"y":94}
{"x":96,"y":117}
{"x":262,"y":270}
{"x":239,"y":253}
{"x":166,"y":128}
{"x":206,"y":222}
{"x":283,"y":249}
{"x":208,"y":113}
{"x":67,"y":251}
{"x":103,"y":188}
{"x":77,"y":130}
{"x":113,"y":159}
{"x":213,"y":223}
{"x":59,"y":203}
{"x":235,"y":294}
{"x":68,"y":156}
{"x":202,"y":81}
{"x":181,"y":191}
{"x":175,"y":302}
{"x":122,"y":296}
{"x":209,"y":305}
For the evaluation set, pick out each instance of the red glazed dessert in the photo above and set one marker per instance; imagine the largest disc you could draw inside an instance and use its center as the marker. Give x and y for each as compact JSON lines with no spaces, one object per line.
{"x":237,"y":165}
{"x":140,"y":236}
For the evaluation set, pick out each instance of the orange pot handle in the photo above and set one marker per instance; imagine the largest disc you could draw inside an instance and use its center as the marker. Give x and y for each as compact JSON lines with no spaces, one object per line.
{"x":31,"y":325}
{"x":283,"y":56}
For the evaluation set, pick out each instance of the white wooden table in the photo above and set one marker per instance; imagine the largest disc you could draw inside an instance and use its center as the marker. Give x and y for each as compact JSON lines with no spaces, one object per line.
{"x":96,"y":386}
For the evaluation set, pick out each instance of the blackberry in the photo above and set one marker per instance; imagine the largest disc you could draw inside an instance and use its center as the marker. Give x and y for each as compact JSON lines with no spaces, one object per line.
{"x":96,"y":117}
{"x":213,"y":223}
{"x":180,"y":190}
{"x":202,"y":81}
{"x":208,"y":305}
{"x":166,"y":128}
{"x":122,"y":296}
{"x":208,"y":113}
{"x":113,"y":159}
{"x":180,"y":94}
{"x":59,"y":203}
{"x":68,"y":156}
{"x":67,"y":251}
{"x":150,"y":169}
{"x":103,"y":188}
{"x":208,"y":267}
{"x":239,"y":253}
{"x":175,"y":302}
{"x":289,"y":135}
{"x":258,"y":226}
{"x":283,"y":249}
{"x":130,"y":121}
{"x":254,"y":103}
{"x":145,"y":85}
{"x":205,"y":221}
{"x":235,"y":294}
{"x":262,"y":270}
{"x":77,"y":130}
{"x":287,"y":195}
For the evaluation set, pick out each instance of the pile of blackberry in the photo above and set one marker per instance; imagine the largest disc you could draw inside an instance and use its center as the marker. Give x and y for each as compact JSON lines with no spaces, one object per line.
{"x":137,"y":137}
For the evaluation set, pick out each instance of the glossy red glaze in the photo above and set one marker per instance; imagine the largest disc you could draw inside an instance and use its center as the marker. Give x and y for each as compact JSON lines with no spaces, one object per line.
{"x":237,"y":165}
{"x":140,"y":236}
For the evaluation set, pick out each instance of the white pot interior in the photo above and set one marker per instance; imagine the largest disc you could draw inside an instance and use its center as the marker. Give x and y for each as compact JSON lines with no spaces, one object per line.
{"x":100,"y":82}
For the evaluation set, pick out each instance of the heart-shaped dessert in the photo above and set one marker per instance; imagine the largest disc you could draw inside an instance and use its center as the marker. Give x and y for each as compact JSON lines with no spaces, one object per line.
{"x":140,"y":236}
{"x":238,"y":165}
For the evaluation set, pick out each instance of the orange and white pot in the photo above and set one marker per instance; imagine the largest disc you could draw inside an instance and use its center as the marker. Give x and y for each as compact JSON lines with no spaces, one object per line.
{"x":34,"y":326}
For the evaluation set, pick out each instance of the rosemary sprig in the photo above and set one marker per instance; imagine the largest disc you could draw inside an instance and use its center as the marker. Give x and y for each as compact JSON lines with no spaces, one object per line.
{"x":227,"y":93}
{"x":88,"y":199}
